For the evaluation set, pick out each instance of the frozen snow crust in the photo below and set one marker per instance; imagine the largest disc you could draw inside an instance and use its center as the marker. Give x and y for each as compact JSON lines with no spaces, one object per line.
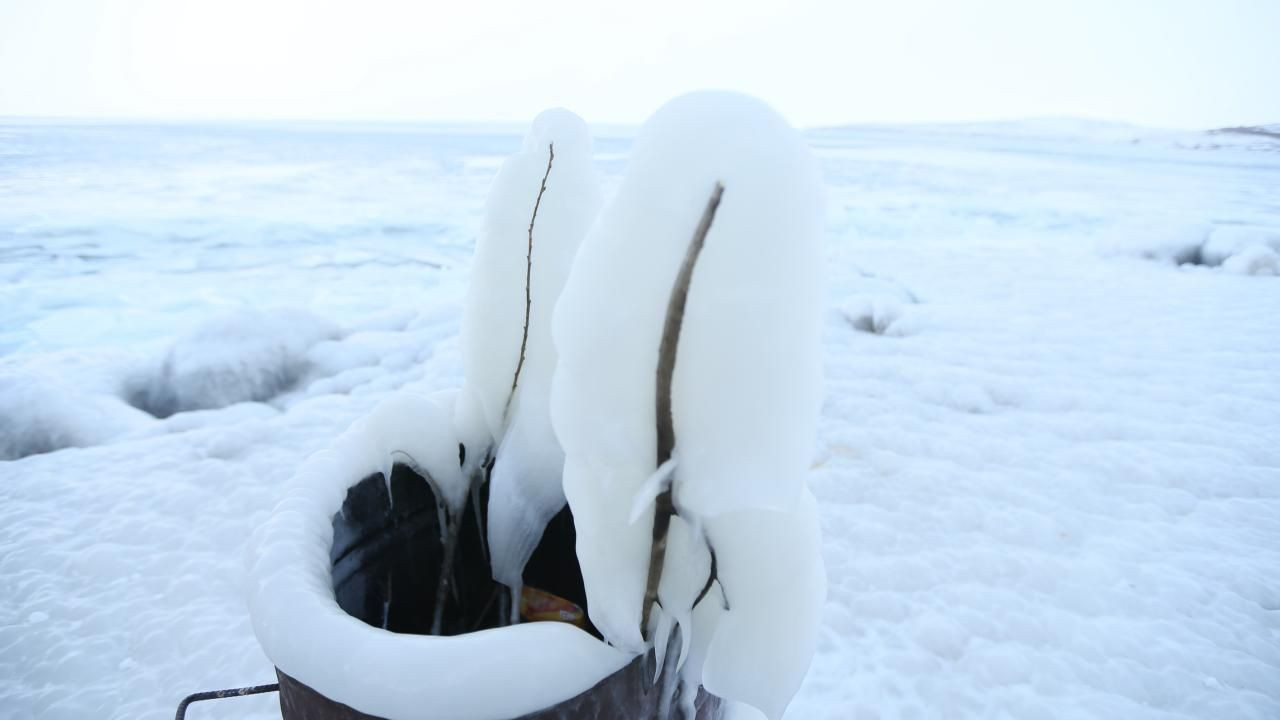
{"x":1048,"y":488}
{"x":485,"y":675}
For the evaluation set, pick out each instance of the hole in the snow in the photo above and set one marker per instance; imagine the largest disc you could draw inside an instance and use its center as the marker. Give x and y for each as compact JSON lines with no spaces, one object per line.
{"x":177,"y":387}
{"x":246,"y":356}
{"x":876,"y":315}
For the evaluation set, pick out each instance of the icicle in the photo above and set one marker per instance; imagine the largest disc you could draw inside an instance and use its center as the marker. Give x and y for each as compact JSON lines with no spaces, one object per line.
{"x":661,"y":638}
{"x":517,"y":593}
{"x":685,"y":622}
{"x":476,"y":481}
{"x":389,"y":462}
{"x":416,"y":431}
{"x":670,"y":681}
{"x":688,"y":693}
{"x":387,"y":466}
{"x":660,"y":480}
{"x":524,"y":494}
{"x":442,"y":522}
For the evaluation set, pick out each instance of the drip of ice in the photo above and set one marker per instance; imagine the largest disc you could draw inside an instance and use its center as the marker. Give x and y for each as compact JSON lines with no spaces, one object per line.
{"x":540,"y":206}
{"x":473,"y":433}
{"x":703,"y":622}
{"x":418,"y":432}
{"x":665,"y":625}
{"x":524,"y":493}
{"x":657,"y":483}
{"x":770,"y":568}
{"x":613,"y":552}
{"x":746,"y":387}
{"x":684,"y":575}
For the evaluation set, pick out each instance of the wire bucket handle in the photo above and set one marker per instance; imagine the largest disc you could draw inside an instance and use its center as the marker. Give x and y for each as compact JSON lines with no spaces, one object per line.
{"x":221,"y":694}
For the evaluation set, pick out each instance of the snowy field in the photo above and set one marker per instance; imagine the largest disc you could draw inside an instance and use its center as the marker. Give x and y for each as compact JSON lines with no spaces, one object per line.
{"x":1050,"y":467}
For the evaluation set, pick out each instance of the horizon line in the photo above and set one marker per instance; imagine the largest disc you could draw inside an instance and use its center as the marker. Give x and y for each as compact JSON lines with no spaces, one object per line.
{"x":122,"y":119}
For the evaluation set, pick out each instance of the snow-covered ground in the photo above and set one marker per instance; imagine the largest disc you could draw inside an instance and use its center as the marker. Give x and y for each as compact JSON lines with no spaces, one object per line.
{"x":1050,"y":475}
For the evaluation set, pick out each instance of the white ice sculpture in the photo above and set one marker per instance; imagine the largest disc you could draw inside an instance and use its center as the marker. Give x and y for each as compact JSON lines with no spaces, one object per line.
{"x":745,"y":395}
{"x":540,"y":206}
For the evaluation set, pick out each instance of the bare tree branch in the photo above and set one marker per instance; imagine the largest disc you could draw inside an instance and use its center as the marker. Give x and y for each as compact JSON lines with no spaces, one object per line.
{"x":446,"y":572}
{"x":712,"y":576}
{"x":664,"y":506}
{"x":528,"y":281}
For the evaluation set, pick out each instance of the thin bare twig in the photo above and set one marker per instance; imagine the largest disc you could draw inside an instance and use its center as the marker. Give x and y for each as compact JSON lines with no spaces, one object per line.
{"x":664,"y":505}
{"x":528,"y":281}
{"x":446,"y":573}
{"x":712,"y":575}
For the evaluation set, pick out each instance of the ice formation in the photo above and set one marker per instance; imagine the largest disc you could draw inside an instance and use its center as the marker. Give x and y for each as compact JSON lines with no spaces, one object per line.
{"x":525,"y":492}
{"x":41,"y":412}
{"x":1169,"y":239}
{"x":493,"y":674}
{"x":746,"y":386}
{"x":240,"y":356}
{"x":770,"y":568}
{"x":1239,"y":249}
{"x":408,"y":430}
{"x":540,"y":206}
{"x":1244,"y":249}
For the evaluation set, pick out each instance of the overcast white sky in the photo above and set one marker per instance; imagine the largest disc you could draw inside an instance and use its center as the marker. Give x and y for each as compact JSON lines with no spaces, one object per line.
{"x":1174,"y":63}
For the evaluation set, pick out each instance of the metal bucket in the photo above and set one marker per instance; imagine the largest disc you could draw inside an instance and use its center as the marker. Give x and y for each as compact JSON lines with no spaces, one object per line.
{"x":386,"y":559}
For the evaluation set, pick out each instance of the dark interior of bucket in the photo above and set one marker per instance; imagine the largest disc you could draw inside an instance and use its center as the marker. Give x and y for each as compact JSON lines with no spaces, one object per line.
{"x":388,"y":551}
{"x":387,"y":554}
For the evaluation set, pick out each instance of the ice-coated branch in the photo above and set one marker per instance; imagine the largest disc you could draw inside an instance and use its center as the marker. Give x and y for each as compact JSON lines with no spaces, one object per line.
{"x":507,"y":328}
{"x":528,"y":280}
{"x":664,"y":507}
{"x":671,"y":326}
{"x":735,"y":406}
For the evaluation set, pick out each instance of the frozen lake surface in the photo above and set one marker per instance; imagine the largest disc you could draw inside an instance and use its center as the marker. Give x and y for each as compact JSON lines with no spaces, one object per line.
{"x":1049,"y":478}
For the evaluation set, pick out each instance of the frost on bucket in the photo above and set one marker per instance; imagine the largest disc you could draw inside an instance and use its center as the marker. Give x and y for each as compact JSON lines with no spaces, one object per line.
{"x":408,"y":570}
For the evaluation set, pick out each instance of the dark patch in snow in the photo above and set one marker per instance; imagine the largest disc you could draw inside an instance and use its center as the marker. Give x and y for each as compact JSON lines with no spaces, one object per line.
{"x":879,"y":305}
{"x":178,"y":389}
{"x":243,"y":357}
{"x":24,"y":436}
{"x":1235,"y":248}
{"x":868,"y":323}
{"x":1188,"y":256}
{"x":39,"y":413}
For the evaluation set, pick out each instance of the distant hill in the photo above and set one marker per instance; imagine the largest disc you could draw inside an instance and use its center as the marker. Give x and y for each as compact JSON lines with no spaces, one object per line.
{"x":1071,"y":130}
{"x":1269,"y":131}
